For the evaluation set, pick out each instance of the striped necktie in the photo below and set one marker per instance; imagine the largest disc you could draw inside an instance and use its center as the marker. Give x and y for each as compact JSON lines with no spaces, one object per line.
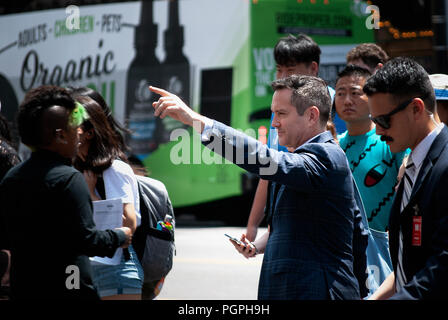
{"x":409,"y":175}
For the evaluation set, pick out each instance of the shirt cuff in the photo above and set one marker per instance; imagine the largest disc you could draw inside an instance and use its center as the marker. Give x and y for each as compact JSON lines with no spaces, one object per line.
{"x":207,"y":132}
{"x":121,"y":236}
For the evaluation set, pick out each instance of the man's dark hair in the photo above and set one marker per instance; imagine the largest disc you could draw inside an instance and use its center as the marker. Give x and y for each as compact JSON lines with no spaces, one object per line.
{"x":292,"y":50}
{"x":30,"y":121}
{"x":354,"y":70}
{"x":369,"y":53}
{"x":5,"y":129}
{"x":307,"y":91}
{"x":403,"y":78}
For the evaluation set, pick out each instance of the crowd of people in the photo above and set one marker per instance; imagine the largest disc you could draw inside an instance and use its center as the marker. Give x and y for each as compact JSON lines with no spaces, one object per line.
{"x":355,"y":206}
{"x":366,"y":222}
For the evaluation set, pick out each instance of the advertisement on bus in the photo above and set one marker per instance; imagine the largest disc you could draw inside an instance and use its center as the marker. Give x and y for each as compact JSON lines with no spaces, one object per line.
{"x":216,"y":55}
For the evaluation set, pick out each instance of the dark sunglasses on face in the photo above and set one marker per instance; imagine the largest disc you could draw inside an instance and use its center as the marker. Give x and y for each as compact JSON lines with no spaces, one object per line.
{"x":384,"y":120}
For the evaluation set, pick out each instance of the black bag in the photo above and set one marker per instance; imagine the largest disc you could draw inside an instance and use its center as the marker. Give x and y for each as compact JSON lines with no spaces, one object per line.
{"x":155,"y":249}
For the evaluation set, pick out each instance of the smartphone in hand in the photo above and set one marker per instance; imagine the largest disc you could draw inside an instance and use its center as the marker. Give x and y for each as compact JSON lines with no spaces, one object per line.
{"x":234,"y":239}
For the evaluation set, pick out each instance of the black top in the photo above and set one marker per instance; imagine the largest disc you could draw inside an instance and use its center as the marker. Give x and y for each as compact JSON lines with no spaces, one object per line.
{"x":46,"y":220}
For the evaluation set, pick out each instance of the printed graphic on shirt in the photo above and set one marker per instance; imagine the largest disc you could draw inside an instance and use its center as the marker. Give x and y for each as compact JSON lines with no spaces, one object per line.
{"x":375,"y":170}
{"x":374,"y":175}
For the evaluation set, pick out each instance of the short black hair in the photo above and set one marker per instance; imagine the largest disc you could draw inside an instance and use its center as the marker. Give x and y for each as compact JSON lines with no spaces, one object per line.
{"x":292,"y":50}
{"x":5,"y":129}
{"x":403,"y":78}
{"x":354,"y":70}
{"x":36,"y":101}
{"x":307,"y":91}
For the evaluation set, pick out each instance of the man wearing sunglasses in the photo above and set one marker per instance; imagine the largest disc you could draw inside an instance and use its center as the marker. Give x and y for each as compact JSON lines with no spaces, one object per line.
{"x":373,"y":165}
{"x":402,"y":104}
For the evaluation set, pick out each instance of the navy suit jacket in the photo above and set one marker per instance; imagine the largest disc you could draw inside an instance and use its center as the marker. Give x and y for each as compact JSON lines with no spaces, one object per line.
{"x":425,"y":266}
{"x":313,"y":216}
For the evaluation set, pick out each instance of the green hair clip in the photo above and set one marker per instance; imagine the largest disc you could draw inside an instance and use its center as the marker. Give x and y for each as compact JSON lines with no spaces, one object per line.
{"x":78,"y":115}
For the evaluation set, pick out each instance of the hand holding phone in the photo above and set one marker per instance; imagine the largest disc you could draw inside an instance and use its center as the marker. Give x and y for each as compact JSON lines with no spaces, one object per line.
{"x":234,"y":239}
{"x":246,"y":248}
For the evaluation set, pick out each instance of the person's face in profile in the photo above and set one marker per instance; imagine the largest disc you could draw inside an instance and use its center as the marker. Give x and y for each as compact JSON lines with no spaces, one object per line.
{"x":291,"y":126}
{"x":393,"y":120}
{"x":86,"y":133}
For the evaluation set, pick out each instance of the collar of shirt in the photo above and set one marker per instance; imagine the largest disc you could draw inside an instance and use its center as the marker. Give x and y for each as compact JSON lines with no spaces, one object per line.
{"x":309,"y":140}
{"x":421,"y":150}
{"x":207,"y":131}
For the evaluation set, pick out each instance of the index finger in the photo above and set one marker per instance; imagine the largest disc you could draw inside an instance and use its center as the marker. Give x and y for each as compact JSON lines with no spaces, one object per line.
{"x":160,"y":91}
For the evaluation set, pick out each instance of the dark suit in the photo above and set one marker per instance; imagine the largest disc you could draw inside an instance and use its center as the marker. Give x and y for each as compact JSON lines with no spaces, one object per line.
{"x":313,"y":217}
{"x":425,"y":266}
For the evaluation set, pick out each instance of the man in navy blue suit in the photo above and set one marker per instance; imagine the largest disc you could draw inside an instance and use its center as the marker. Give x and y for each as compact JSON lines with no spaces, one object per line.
{"x":316,"y":244}
{"x":402,"y":105}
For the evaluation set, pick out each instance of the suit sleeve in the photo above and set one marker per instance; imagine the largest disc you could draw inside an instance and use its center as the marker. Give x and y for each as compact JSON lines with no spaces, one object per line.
{"x":87,"y":239}
{"x":360,"y":242}
{"x":269,"y":164}
{"x":4,"y":239}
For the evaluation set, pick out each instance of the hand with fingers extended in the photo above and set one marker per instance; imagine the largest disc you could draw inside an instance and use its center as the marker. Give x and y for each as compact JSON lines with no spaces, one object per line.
{"x":245,"y":247}
{"x":171,"y":105}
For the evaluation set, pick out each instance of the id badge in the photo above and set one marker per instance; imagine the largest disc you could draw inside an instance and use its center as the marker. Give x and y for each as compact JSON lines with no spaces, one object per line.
{"x":417,"y":231}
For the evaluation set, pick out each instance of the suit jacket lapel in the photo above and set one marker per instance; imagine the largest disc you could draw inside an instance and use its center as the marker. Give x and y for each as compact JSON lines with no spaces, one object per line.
{"x":436,"y":148}
{"x":426,"y":167}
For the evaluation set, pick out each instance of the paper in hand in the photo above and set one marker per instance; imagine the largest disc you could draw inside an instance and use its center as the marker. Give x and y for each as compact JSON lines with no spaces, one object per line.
{"x":107,"y":214}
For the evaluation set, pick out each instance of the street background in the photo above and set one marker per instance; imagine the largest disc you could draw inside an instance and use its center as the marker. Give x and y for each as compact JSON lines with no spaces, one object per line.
{"x":208,"y":267}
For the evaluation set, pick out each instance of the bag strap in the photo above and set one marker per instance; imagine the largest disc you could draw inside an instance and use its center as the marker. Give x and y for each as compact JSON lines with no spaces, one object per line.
{"x":144,"y":212}
{"x":100,"y":187}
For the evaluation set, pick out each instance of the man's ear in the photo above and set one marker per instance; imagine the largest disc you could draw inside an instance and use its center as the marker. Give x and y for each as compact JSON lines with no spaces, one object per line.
{"x":418,"y":106}
{"x":378,"y":67}
{"x":418,"y":110}
{"x":314,"y":114}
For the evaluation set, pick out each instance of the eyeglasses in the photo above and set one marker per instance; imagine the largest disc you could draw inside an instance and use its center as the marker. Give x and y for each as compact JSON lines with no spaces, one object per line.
{"x":384,"y":120}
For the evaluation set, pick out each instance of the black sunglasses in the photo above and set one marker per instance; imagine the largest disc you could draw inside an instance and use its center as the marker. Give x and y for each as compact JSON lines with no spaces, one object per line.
{"x":384,"y":120}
